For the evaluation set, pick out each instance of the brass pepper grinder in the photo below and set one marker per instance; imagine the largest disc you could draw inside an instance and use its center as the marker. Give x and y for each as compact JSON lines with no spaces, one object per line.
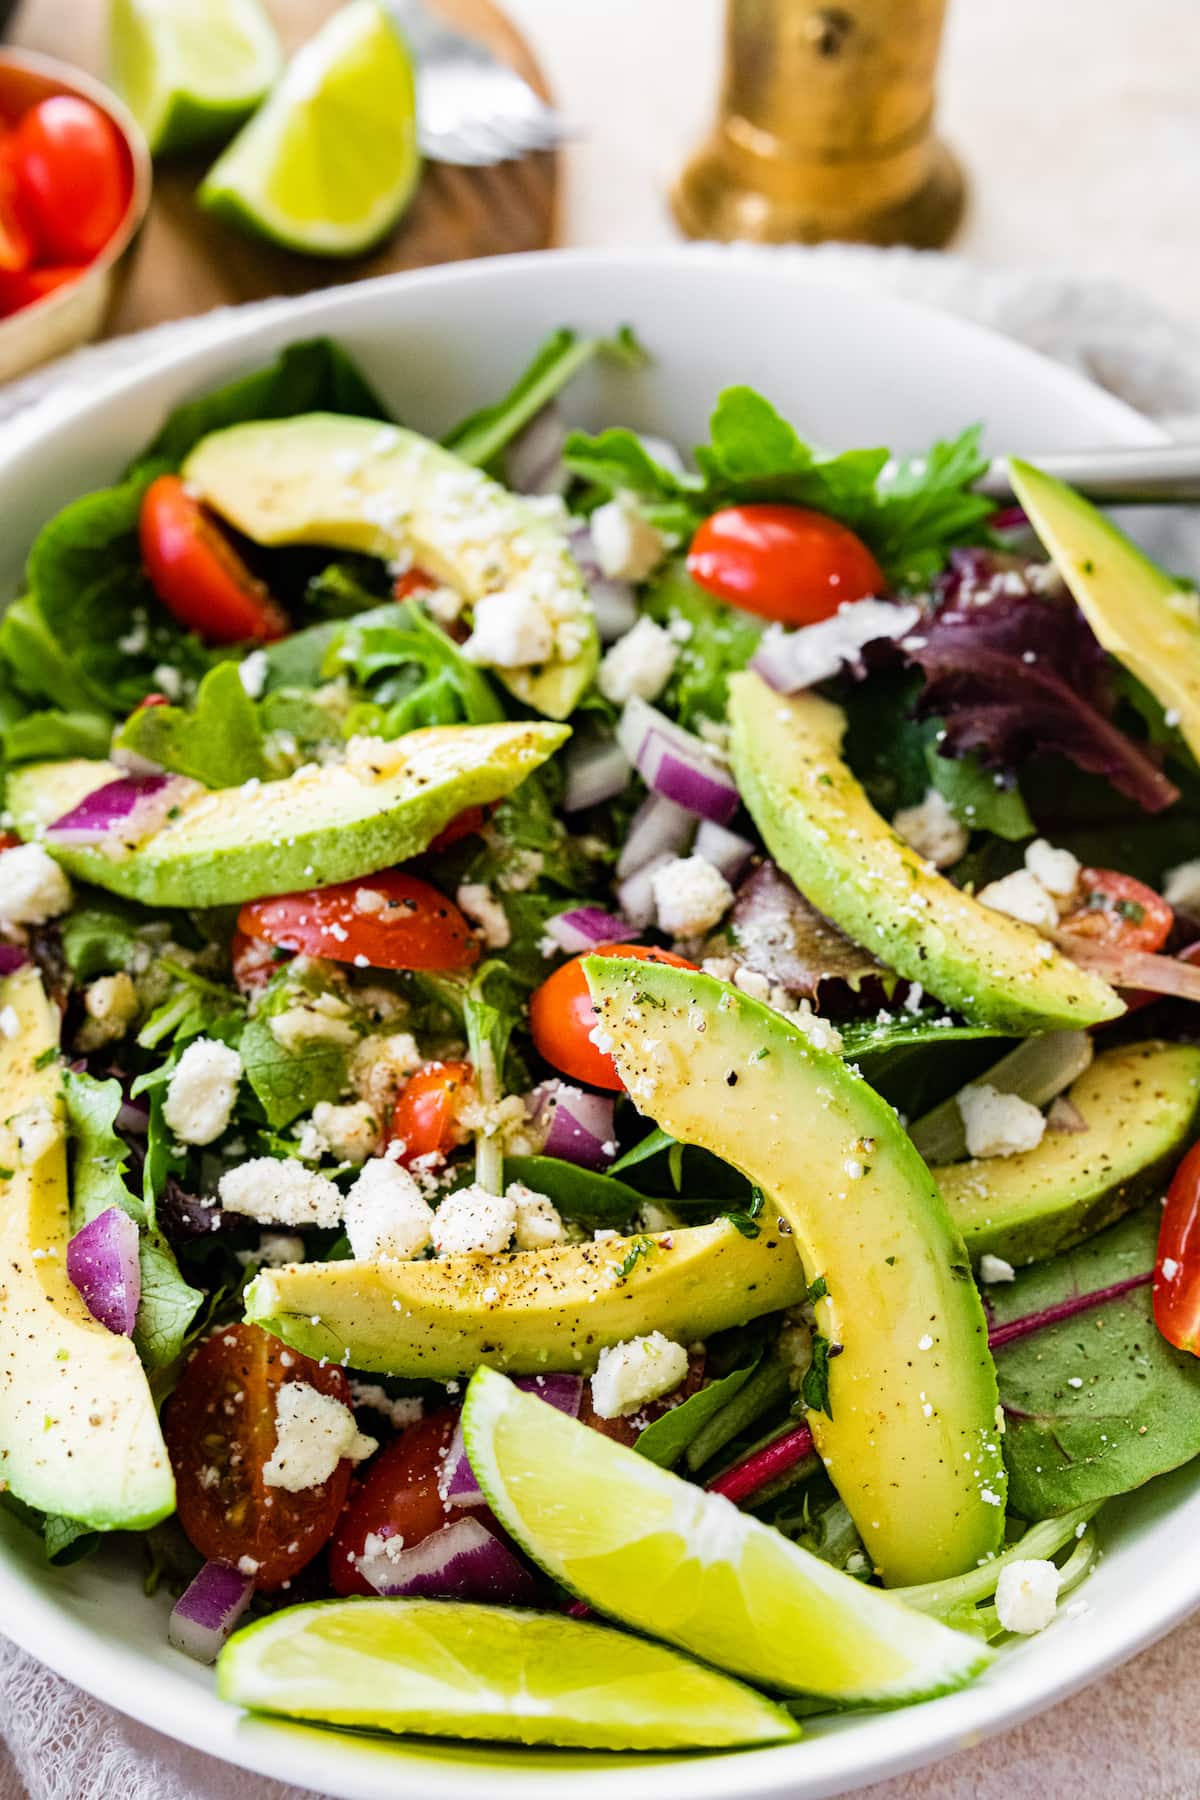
{"x":826,"y":129}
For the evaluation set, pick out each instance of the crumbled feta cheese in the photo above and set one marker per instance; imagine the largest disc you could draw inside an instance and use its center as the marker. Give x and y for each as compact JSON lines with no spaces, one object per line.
{"x":399,"y":1412}
{"x":1027,"y":1595}
{"x":1181,"y":885}
{"x":33,"y":888}
{"x":627,"y":546}
{"x":656,"y":1215}
{"x":994,"y":1268}
{"x":167,"y":680}
{"x":202,"y":1091}
{"x":253,"y":671}
{"x":999,"y":1124}
{"x":385,"y":1214}
{"x":313,"y":1432}
{"x":10,"y":1024}
{"x":510,"y":631}
{"x":111,"y":1006}
{"x":280,"y":1191}
{"x":690,"y":896}
{"x":522,"y":870}
{"x":380,"y":1065}
{"x":819,"y":1032}
{"x":539,"y":1222}
{"x":275,"y":1250}
{"x":351,"y":1133}
{"x":631,"y":1374}
{"x":932,"y":830}
{"x":1169,"y":1268}
{"x":757,"y":986}
{"x":1057,"y":870}
{"x":816,"y":652}
{"x":485,"y":912}
{"x":298,"y":1027}
{"x":1022,"y":896}
{"x":369,"y":900}
{"x":638,"y":664}
{"x":474,"y":1220}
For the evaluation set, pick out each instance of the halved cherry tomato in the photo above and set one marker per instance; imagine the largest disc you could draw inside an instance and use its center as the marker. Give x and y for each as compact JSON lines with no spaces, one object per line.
{"x":74,"y":174}
{"x":413,"y":581}
{"x":219,"y":1426}
{"x":1115,"y":909}
{"x":399,"y":1498}
{"x":562,"y":1017}
{"x":253,"y":961}
{"x":468,"y":822}
{"x":783,"y":562}
{"x":9,"y":840}
{"x":425,"y":1119}
{"x":394,"y":920}
{"x":197,"y":573}
{"x":18,"y":246}
{"x":1177,"y":1268}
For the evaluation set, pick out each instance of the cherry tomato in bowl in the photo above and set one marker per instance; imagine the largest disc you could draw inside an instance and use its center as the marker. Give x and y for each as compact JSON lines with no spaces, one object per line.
{"x":562,"y":1017}
{"x":73,"y":173}
{"x":392,"y":919}
{"x":786,"y":563}
{"x":425,"y":1119}
{"x":197,"y":573}
{"x":1116,"y":910}
{"x":1177,"y":1266}
{"x":398,"y":1498}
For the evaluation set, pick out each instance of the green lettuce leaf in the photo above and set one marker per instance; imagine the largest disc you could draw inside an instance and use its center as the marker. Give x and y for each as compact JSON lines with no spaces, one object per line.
{"x":582,"y":1195}
{"x":563,"y":355}
{"x":414,"y":674}
{"x":219,"y":742}
{"x":664,"y":1440}
{"x":43,"y":736}
{"x":99,"y":935}
{"x":720,"y":640}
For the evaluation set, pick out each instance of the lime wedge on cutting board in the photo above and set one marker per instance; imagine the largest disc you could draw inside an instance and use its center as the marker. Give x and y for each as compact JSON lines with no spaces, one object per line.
{"x":328,"y":165}
{"x":192,"y":71}
{"x":443,"y":1668}
{"x":665,"y":1557}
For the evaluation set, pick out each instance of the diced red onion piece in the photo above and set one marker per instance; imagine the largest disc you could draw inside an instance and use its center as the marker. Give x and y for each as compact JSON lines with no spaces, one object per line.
{"x":102,"y":1261}
{"x":584,"y":927}
{"x":1132,"y":968}
{"x":207,"y":1611}
{"x":136,"y":802}
{"x":12,"y":958}
{"x":658,"y":828}
{"x":133,"y":1117}
{"x":533,"y":461}
{"x":462,"y":1561}
{"x":636,"y":893}
{"x":676,"y":764}
{"x":613,"y":602}
{"x":791,"y":660}
{"x":581,"y":1128}
{"x":725,"y":850}
{"x":596,"y":772}
{"x":456,"y":1483}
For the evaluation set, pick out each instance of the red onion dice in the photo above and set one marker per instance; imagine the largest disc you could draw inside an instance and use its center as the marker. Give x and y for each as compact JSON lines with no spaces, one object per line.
{"x":635,"y":896}
{"x":791,"y":660}
{"x":725,"y":850}
{"x":596,"y":771}
{"x":613,"y":603}
{"x":135,"y":805}
{"x":584,"y":927}
{"x":658,"y":828}
{"x":102,"y":1261}
{"x":462,"y":1561}
{"x":12,"y":958}
{"x":457,"y":1483}
{"x":533,"y":462}
{"x":206,"y":1612}
{"x":581,"y":1127}
{"x":677,"y":764}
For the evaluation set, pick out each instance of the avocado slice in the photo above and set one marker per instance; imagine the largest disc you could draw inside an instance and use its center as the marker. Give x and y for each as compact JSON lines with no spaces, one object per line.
{"x":354,"y":484}
{"x":79,"y":1433}
{"x":909,"y":1430}
{"x":1140,"y":1103}
{"x":384,"y":803}
{"x":823,"y":831}
{"x":531,"y":1310}
{"x":1142,"y":616}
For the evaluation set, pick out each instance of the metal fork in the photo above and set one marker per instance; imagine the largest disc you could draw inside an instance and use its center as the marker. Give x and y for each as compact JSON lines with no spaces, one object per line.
{"x":1146,"y":475}
{"x":471,"y":107}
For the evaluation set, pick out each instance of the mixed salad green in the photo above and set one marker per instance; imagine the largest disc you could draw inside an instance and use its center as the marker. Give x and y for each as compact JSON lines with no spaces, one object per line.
{"x":592,"y":1034}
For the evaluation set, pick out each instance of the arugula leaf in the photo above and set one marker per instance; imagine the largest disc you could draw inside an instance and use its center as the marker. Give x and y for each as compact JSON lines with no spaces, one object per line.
{"x":582,"y":1195}
{"x":814,"y":1389}
{"x":926,"y":504}
{"x":563,"y":355}
{"x":665,"y":1439}
{"x":46,"y":735}
{"x":414,"y":673}
{"x":720,"y":641}
{"x":219,"y":742}
{"x":1136,"y":1410}
{"x":616,"y":460}
{"x":98,"y":935}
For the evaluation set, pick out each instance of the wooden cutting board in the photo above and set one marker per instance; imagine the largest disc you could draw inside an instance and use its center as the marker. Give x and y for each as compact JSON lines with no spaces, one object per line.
{"x":186,"y":262}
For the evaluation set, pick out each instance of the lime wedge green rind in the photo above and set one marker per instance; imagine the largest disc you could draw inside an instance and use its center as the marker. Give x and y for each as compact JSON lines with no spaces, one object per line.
{"x":192,"y":71}
{"x":661,"y":1555}
{"x":438,"y":1668}
{"x":330,"y":162}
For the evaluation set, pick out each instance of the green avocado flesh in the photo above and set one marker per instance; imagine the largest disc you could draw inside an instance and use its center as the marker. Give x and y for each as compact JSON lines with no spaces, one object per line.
{"x":1139,"y":1104}
{"x":910,"y":1438}
{"x":530,"y":1311}
{"x":357,"y":485}
{"x":79,"y":1434}
{"x":823,"y":831}
{"x":322,"y":825}
{"x":1141,"y":615}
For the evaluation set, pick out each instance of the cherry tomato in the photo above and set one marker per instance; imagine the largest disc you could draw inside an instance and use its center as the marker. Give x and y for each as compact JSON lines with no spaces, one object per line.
{"x":18,"y":246}
{"x":1177,"y":1268}
{"x":9,"y":840}
{"x":1115,"y":909}
{"x":399,"y":1498}
{"x":74,"y":175}
{"x":468,"y":822}
{"x":197,"y":573}
{"x":25,"y":287}
{"x":219,"y":1426}
{"x":413,"y":581}
{"x":783,"y":562}
{"x":425,"y":1119}
{"x":395,"y":920}
{"x":562,"y":1017}
{"x":253,"y":961}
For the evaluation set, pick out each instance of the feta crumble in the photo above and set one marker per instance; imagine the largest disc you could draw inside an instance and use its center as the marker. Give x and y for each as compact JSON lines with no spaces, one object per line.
{"x":472,"y":1220}
{"x":932,"y":830}
{"x":485,"y":912}
{"x":386,"y":1215}
{"x":510,"y":631}
{"x":638,"y":664}
{"x":351,"y":1133}
{"x":999,"y":1124}
{"x":275,"y":1250}
{"x":627,"y":546}
{"x":280,"y":1191}
{"x":538,"y":1222}
{"x":1027,"y":1595}
{"x":111,"y":1006}
{"x":629,"y":1375}
{"x":33,"y":889}
{"x":690,"y":896}
{"x":1057,"y":870}
{"x":1022,"y":896}
{"x":399,"y":1412}
{"x":202,"y":1091}
{"x":379,"y":1066}
{"x":313,"y":1432}
{"x":252,"y":673}
{"x":995,"y":1268}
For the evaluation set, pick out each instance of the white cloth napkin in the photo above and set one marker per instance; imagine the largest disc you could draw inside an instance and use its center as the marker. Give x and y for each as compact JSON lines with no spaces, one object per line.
{"x":65,"y":1746}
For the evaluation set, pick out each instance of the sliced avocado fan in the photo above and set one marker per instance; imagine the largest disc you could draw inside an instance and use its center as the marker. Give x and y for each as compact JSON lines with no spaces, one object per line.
{"x":355,"y":484}
{"x":822,"y":830}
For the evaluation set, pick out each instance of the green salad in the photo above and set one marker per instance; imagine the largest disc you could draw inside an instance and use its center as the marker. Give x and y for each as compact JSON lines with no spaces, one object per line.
{"x":599,"y":1068}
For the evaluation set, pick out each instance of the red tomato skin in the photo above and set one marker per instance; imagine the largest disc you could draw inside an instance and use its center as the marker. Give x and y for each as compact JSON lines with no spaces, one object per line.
{"x":1177,"y":1266}
{"x":73,"y":169}
{"x":219,"y":1426}
{"x":197,"y":573}
{"x":425,"y":1119}
{"x":471,"y":820}
{"x":1104,"y":914}
{"x":18,"y":245}
{"x":398,"y":1497}
{"x":9,"y":840}
{"x":783,"y":562}
{"x":413,"y":581}
{"x":25,"y":287}
{"x":562,"y":1017}
{"x":416,"y":928}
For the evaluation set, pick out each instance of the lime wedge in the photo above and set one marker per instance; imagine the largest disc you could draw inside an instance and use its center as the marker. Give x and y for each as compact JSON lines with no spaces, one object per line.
{"x":328,"y":165}
{"x":192,"y":70}
{"x":441,"y":1668}
{"x":662,"y":1555}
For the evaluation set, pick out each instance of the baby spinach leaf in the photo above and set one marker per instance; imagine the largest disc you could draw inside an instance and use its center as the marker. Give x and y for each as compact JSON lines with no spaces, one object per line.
{"x":288,"y":1082}
{"x":219,"y":742}
{"x":563,"y":355}
{"x":46,"y":735}
{"x":98,"y":935}
{"x":582,"y":1195}
{"x":1098,"y":1403}
{"x":665,"y":1439}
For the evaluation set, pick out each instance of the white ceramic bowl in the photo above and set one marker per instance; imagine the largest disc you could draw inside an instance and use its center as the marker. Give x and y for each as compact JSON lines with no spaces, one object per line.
{"x":849,"y":368}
